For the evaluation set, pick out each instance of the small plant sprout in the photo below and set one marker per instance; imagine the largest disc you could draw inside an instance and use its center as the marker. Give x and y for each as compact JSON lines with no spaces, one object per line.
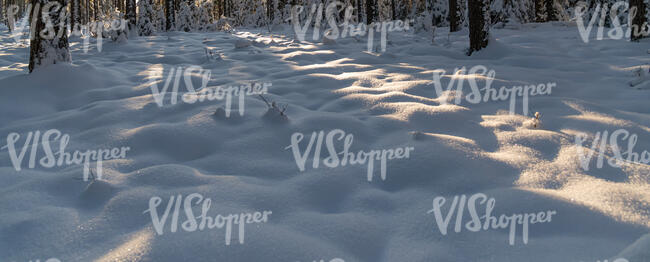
{"x":212,"y":55}
{"x":274,"y":106}
{"x":92,"y":179}
{"x":536,"y":120}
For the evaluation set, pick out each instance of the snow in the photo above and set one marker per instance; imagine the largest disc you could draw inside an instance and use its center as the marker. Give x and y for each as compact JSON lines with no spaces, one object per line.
{"x":104,"y":100}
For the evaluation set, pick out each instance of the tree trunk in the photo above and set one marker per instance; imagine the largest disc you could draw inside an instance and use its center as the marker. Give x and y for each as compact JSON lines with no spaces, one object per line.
{"x":454,"y":19}
{"x":359,"y":17}
{"x":91,"y":10}
{"x":130,"y":14}
{"x":226,"y":8}
{"x":97,"y":10}
{"x":638,"y":20}
{"x":479,"y":25}
{"x":169,"y":15}
{"x":540,"y":14}
{"x":269,"y":10}
{"x":371,"y":11}
{"x":48,"y":45}
{"x":550,"y":11}
{"x":10,"y":20}
{"x":281,"y":6}
{"x":75,"y":13}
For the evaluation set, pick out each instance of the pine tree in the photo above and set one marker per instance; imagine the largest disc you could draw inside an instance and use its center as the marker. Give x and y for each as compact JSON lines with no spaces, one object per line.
{"x":145,"y":17}
{"x":204,"y":17}
{"x":159,"y":21}
{"x":637,"y":8}
{"x":49,"y":46}
{"x":479,"y":25}
{"x":185,"y":17}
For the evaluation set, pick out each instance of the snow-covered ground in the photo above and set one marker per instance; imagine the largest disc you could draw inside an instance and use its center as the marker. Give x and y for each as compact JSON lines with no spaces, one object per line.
{"x":245,"y":164}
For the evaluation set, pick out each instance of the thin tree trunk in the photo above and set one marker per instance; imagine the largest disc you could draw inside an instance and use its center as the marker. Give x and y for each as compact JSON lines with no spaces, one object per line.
{"x":550,"y":11}
{"x":269,"y":10}
{"x":454,"y":20}
{"x":130,"y":14}
{"x":359,"y":17}
{"x":75,"y":12}
{"x":637,"y":8}
{"x":479,"y":25}
{"x":281,"y":6}
{"x":169,"y":14}
{"x":540,"y":14}
{"x":371,"y":11}
{"x":97,"y":10}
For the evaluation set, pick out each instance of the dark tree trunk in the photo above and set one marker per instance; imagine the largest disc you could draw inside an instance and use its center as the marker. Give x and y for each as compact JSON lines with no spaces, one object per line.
{"x":454,"y":19}
{"x":479,"y":22}
{"x":48,"y":45}
{"x":371,"y":11}
{"x":540,"y":14}
{"x":359,"y":17}
{"x":130,"y":14}
{"x":269,"y":10}
{"x":75,"y":12}
{"x":281,"y":6}
{"x":550,"y":10}
{"x":91,"y":10}
{"x":638,"y":21}
{"x":97,"y":10}
{"x":169,"y":15}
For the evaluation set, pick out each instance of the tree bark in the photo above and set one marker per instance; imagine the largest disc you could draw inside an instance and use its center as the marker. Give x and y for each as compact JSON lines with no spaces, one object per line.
{"x":169,"y":15}
{"x":371,"y":11}
{"x":638,"y":21}
{"x":454,"y":20}
{"x":75,"y":12}
{"x":131,"y":14}
{"x":359,"y":17}
{"x":48,"y":44}
{"x":540,"y":14}
{"x":550,"y":10}
{"x":97,"y":10}
{"x":479,"y":25}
